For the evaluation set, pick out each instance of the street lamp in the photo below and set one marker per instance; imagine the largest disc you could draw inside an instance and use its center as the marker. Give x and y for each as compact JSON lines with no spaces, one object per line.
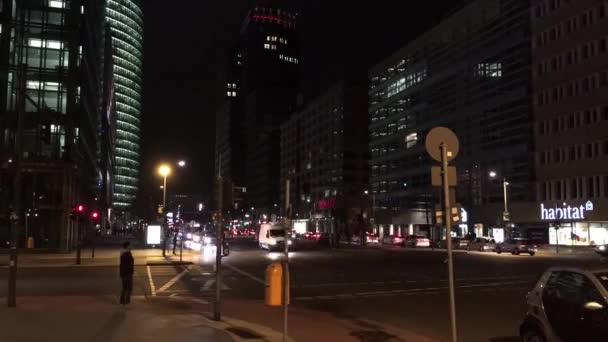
{"x":505,"y":215}
{"x":181,"y":163}
{"x":164,"y":170}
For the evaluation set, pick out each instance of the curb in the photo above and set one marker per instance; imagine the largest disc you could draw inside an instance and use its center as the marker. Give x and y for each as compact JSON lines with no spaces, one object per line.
{"x":238,"y":328}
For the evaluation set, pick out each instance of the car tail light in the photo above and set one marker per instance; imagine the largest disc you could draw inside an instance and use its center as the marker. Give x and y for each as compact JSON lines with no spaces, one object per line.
{"x":522,"y":246}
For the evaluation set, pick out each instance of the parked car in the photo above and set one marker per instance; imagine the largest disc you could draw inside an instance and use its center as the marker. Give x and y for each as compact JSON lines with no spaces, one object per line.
{"x":482,"y":244}
{"x":416,"y":241}
{"x":457,"y":243}
{"x":602,"y":250}
{"x":516,"y":247}
{"x":393,"y":240}
{"x":369,"y":238}
{"x":567,"y":304}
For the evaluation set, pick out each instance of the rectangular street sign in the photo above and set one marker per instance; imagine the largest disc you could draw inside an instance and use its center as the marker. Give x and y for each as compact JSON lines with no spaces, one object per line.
{"x":437,"y":178}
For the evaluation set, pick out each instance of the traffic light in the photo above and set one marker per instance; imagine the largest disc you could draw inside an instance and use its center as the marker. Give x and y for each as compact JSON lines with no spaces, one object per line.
{"x":77,"y":212}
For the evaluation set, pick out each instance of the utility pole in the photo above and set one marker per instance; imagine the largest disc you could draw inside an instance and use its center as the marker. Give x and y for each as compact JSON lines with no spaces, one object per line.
{"x":15,"y":215}
{"x":448,"y":225}
{"x":443,"y":146}
{"x":78,"y":244}
{"x":219,"y":244}
{"x":287,"y":221}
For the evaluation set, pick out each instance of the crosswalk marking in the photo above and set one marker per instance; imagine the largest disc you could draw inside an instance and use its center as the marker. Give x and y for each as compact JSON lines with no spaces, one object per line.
{"x":173,"y":280}
{"x":152,"y":287}
{"x":208,"y":286}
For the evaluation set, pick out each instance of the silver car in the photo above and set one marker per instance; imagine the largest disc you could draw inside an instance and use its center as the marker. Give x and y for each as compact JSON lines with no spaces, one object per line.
{"x":567,"y":304}
{"x":482,"y":244}
{"x":516,"y":247}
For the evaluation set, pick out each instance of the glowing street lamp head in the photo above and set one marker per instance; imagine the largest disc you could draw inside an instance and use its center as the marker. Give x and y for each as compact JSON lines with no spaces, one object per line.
{"x":164,"y":170}
{"x":181,"y":163}
{"x":492,"y":174}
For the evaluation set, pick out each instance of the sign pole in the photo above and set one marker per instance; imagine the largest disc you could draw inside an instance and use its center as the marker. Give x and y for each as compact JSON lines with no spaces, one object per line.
{"x":285,"y":286}
{"x":219,"y":243}
{"x":15,"y":216}
{"x":448,"y":224}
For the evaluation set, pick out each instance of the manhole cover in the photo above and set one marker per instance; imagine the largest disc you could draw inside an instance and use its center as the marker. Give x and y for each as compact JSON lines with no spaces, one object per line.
{"x":244,"y":333}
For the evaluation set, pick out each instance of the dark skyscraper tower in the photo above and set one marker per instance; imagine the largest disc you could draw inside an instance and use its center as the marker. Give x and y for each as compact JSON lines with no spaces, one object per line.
{"x":270,"y":51}
{"x":261,"y":83}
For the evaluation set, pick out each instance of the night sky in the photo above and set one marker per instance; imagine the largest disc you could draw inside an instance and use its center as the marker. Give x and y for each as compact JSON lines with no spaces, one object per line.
{"x":185,"y":42}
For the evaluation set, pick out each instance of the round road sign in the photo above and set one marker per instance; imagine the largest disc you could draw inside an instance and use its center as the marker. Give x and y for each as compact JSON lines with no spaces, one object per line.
{"x":438,"y":136}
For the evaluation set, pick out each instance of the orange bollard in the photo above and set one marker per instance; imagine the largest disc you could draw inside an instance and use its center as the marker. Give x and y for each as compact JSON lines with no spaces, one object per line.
{"x":274,"y":285}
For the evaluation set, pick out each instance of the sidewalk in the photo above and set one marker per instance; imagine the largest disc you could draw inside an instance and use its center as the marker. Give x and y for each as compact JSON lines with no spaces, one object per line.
{"x":100,"y":319}
{"x":307,"y":325}
{"x":103,"y":257}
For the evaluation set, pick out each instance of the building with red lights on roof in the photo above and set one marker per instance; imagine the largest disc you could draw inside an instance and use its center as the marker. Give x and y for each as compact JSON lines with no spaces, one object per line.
{"x":262,"y":84}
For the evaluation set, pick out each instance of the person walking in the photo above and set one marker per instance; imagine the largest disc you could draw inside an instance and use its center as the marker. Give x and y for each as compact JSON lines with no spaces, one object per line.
{"x":126,"y":273}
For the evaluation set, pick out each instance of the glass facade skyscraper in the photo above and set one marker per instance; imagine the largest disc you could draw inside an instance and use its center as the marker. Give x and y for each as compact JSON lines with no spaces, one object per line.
{"x":125,"y":18}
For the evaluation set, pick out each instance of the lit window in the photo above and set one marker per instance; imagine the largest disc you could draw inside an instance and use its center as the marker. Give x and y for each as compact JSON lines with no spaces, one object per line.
{"x":489,"y":69}
{"x":56,"y":3}
{"x":81,"y":9}
{"x":405,"y":82}
{"x":273,"y":46}
{"x":228,"y":93}
{"x":35,"y":43}
{"x":411,"y":140}
{"x":33,"y":85}
{"x":267,"y":46}
{"x":53,"y":44}
{"x":267,"y":39}
{"x":274,"y":38}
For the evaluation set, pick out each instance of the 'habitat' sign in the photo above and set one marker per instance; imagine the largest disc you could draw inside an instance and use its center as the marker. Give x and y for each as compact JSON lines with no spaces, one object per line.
{"x":565,"y":212}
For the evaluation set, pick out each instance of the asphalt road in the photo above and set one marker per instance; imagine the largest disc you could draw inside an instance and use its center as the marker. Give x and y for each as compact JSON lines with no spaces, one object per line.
{"x":404,"y":288}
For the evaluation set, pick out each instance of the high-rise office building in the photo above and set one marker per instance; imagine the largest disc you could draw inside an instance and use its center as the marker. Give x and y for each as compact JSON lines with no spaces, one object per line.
{"x":270,"y":50}
{"x":324,"y":154}
{"x":570,"y":73}
{"x":125,"y":18}
{"x":259,"y":90}
{"x":52,"y":60}
{"x":469,"y":73}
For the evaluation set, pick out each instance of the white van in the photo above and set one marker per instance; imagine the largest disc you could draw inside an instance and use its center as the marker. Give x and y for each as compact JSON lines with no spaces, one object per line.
{"x":272,"y":236}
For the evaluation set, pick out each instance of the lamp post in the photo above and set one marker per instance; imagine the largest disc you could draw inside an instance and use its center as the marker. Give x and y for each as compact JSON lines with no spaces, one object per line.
{"x":505,"y":214}
{"x":164,"y":170}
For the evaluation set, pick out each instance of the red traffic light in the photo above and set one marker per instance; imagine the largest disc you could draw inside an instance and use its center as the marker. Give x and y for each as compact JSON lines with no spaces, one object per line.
{"x":95,"y":215}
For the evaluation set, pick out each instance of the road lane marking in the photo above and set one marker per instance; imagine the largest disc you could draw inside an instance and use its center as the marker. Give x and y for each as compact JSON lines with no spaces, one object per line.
{"x":209,"y":284}
{"x":471,"y":288}
{"x":152,"y":287}
{"x":173,"y":280}
{"x":249,"y":275}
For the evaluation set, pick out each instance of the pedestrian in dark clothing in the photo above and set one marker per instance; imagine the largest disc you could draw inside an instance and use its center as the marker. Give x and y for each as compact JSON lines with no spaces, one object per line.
{"x":174,"y":242}
{"x":126,"y":274}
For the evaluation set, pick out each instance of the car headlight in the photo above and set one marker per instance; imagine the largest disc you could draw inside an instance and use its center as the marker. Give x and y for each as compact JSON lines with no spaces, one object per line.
{"x":289,"y":242}
{"x":602,"y":247}
{"x":207,"y":240}
{"x":273,"y":242}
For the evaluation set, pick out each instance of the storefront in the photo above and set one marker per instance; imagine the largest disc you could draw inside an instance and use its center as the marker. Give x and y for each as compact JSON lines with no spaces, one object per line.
{"x":582,"y":223}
